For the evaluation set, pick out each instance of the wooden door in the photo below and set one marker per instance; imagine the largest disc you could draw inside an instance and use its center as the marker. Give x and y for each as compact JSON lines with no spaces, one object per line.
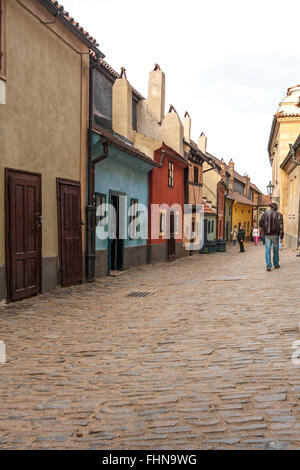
{"x":70,"y":231}
{"x":23,"y":234}
{"x":171,"y":241}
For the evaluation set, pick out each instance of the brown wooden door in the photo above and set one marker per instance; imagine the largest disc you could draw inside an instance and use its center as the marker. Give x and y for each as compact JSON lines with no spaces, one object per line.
{"x":70,"y":231}
{"x":23,"y":234}
{"x":171,"y":241}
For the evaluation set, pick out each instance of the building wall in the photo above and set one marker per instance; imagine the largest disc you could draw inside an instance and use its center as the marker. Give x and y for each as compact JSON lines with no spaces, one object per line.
{"x":212,"y":223}
{"x":288,"y":131}
{"x":242,"y":214}
{"x":125,"y":174}
{"x":41,"y":124}
{"x":195,"y":189}
{"x":292,"y":216}
{"x":228,"y":219}
{"x":210,"y":181}
{"x":161,"y":193}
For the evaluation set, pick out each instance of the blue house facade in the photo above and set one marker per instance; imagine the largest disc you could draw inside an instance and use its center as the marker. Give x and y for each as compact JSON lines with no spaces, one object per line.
{"x":121,"y":186}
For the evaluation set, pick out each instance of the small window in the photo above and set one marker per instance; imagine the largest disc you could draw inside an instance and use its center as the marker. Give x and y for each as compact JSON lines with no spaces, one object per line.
{"x":134,"y":215}
{"x":101,"y":209}
{"x":2,"y":39}
{"x":212,"y":226}
{"x":196,"y":174}
{"x":208,"y":227}
{"x":171,"y":174}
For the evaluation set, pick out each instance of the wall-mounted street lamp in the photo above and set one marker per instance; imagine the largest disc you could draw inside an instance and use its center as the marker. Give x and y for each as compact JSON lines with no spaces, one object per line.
{"x":270,"y":189}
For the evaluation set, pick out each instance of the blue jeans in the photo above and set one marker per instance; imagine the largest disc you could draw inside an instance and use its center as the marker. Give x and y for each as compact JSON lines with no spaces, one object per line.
{"x":272,"y":241}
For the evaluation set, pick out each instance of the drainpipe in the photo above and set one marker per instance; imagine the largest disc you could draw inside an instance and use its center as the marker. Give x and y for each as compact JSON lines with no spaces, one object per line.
{"x":90,"y":208}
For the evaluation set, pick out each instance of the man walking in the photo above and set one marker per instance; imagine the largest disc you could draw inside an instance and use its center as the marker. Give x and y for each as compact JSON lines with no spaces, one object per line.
{"x":271,"y":224}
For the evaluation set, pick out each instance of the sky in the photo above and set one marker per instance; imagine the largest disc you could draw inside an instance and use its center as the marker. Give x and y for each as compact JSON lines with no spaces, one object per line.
{"x":228,"y":63}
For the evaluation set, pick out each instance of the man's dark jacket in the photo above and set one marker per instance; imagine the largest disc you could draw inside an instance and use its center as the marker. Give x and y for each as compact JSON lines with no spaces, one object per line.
{"x":241,"y":235}
{"x":271,"y":223}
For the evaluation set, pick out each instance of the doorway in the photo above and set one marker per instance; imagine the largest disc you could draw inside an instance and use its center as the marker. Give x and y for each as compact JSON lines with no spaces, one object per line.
{"x":69,"y":231}
{"x":116,"y":243}
{"x":23,"y":217}
{"x":171,"y":240}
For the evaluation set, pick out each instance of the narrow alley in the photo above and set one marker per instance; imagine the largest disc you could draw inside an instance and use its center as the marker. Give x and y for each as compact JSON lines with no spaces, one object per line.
{"x":204,"y":361}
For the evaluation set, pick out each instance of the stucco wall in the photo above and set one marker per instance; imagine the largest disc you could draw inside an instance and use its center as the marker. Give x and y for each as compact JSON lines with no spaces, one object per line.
{"x":40,"y":126}
{"x":125,"y":174}
{"x":210,"y":181}
{"x":242,"y":213}
{"x":292,"y":211}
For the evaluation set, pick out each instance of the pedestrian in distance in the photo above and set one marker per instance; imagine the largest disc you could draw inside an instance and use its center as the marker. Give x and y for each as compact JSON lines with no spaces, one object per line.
{"x":255,"y":235}
{"x":241,"y":239}
{"x":271,"y":224}
{"x":234,"y":234}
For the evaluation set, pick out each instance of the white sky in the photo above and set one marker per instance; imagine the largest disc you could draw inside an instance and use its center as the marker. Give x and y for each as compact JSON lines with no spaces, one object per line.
{"x":228,"y":63}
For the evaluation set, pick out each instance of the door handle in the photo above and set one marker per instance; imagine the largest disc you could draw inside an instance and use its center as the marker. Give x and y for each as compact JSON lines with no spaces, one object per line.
{"x":40,"y":221}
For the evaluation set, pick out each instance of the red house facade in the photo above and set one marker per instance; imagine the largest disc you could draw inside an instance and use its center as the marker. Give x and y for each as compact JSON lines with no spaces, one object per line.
{"x":166,"y":206}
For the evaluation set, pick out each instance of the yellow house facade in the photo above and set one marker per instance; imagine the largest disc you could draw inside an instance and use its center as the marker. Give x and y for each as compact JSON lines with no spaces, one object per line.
{"x":43,"y":142}
{"x":242,"y":214}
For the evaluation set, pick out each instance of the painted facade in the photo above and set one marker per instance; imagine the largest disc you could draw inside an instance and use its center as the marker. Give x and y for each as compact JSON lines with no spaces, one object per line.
{"x":284,"y":132}
{"x":166,"y":191}
{"x":43,"y":131}
{"x":291,"y":168}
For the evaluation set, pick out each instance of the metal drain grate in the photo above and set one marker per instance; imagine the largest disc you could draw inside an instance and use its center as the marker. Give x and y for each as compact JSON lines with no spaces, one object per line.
{"x":140,"y":294}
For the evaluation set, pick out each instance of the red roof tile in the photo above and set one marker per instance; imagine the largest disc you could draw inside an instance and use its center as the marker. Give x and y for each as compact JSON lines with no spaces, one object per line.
{"x":208,"y":209}
{"x":264,"y":200}
{"x":74,"y":22}
{"x":241,"y":199}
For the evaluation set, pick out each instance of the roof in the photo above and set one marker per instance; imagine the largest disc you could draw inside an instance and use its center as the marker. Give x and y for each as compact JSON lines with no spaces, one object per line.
{"x":119,"y":143}
{"x":113,"y":73}
{"x":172,"y":153}
{"x":242,"y":199}
{"x":208,"y":209}
{"x":236,"y":175}
{"x":264,"y":200}
{"x":59,"y":12}
{"x":288,"y":108}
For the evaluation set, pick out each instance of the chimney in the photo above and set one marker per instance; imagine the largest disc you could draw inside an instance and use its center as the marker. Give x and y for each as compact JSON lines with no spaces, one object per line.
{"x":246,"y":180}
{"x":202,"y":143}
{"x":156,"y":94}
{"x":122,"y":107}
{"x":223,"y":169}
{"x":231,"y":177}
{"x":172,"y":131}
{"x":186,"y":122}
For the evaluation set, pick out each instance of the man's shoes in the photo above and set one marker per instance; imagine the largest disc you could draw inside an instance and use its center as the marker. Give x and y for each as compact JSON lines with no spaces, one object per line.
{"x":269,"y":269}
{"x":277,"y":267}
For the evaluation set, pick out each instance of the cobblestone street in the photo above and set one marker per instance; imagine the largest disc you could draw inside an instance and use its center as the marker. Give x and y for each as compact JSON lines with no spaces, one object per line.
{"x":204,"y":363}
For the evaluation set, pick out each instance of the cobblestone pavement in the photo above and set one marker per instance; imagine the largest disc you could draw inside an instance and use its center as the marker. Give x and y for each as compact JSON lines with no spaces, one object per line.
{"x":205,"y":363}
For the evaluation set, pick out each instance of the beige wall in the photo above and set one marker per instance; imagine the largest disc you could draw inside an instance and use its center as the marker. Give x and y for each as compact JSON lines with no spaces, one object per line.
{"x":288,"y":130}
{"x":210,"y":181}
{"x":41,"y":125}
{"x":292,"y":207}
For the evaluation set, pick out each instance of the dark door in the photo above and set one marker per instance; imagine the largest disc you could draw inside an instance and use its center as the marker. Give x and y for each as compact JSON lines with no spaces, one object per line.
{"x":171,"y":241}
{"x":23,"y":234}
{"x":70,"y":231}
{"x":116,"y":254}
